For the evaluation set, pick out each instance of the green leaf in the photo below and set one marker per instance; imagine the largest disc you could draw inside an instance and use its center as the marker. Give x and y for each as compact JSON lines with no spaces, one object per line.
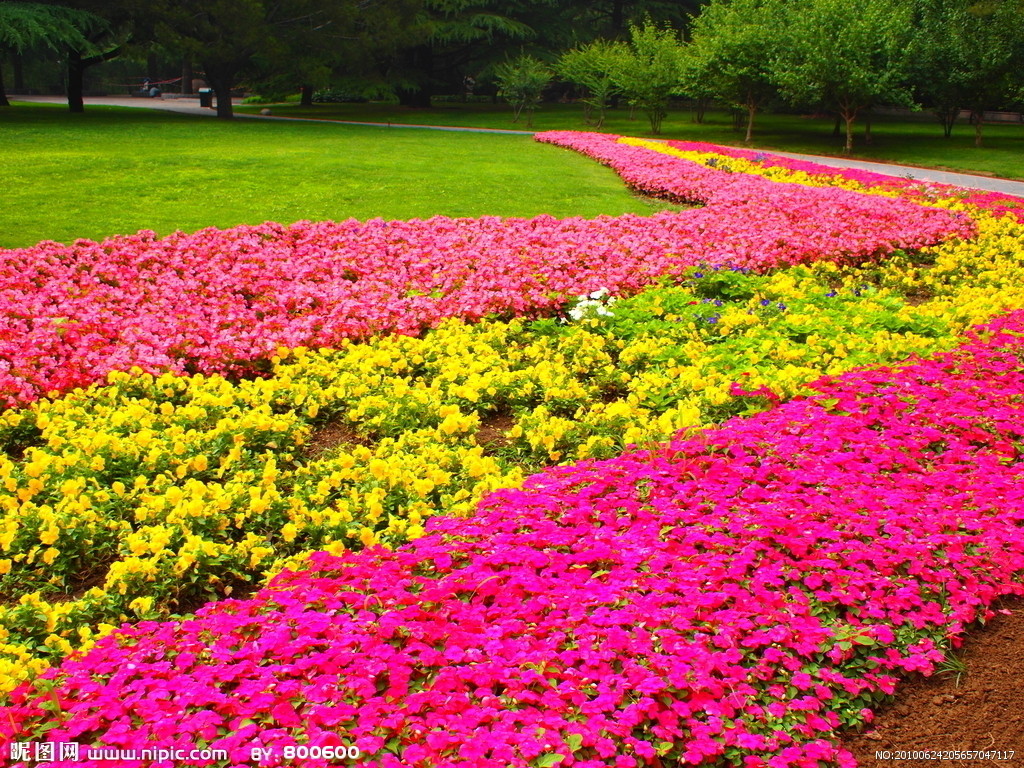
{"x":574,"y":741}
{"x":548,"y":760}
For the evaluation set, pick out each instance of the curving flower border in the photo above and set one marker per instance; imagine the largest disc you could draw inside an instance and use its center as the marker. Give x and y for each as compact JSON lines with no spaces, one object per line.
{"x":222,"y":301}
{"x":741,"y":594}
{"x":919,"y":578}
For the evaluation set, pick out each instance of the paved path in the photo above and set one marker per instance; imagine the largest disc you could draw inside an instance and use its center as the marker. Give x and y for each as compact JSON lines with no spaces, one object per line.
{"x":989,"y":183}
{"x":186,"y":105}
{"x":191,"y":106}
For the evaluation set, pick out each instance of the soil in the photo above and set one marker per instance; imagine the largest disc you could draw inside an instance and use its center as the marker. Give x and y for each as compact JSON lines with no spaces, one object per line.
{"x":979,"y":708}
{"x":492,"y":432}
{"x":334,"y":434}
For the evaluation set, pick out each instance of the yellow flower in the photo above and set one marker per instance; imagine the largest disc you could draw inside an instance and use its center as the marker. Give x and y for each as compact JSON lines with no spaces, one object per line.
{"x":141,"y":605}
{"x":50,"y":535}
{"x":289,"y":531}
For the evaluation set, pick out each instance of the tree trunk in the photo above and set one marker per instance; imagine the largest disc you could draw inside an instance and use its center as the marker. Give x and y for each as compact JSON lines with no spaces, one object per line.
{"x":849,"y":117}
{"x":702,"y":108}
{"x":837,"y":128}
{"x":76,"y":76}
{"x":220,"y":80}
{"x":306,"y":92}
{"x":979,"y":120}
{"x":3,"y":92}
{"x":421,"y":60}
{"x":186,"y":77}
{"x":867,"y":128}
{"x":947,"y":116}
{"x":751,"y":111}
{"x":657,"y":117}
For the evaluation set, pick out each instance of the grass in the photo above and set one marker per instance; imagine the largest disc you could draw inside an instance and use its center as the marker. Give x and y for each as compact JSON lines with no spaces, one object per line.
{"x":117,"y":170}
{"x":909,"y":141}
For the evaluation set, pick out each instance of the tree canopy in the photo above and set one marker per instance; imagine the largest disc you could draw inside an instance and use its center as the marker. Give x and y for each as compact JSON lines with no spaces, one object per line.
{"x":24,"y":26}
{"x":733,"y":57}
{"x":844,"y":57}
{"x":648,"y":72}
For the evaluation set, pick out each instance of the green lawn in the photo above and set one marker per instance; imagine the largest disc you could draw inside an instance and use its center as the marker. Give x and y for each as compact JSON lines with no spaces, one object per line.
{"x":112,"y":171}
{"x":917,"y":141}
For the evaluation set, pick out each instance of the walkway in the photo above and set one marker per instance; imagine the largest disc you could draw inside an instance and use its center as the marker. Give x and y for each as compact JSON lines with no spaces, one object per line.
{"x":990,"y":183}
{"x":191,"y":106}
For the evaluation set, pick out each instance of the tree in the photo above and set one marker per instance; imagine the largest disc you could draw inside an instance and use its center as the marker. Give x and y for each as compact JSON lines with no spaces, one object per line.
{"x":611,"y":18}
{"x":694,"y":80}
{"x":995,"y":37}
{"x":24,"y":26}
{"x":648,"y":72}
{"x":128,"y":26}
{"x":260,"y":39}
{"x":224,"y":36}
{"x":321,"y":39}
{"x":522,"y":81}
{"x":842,"y":56}
{"x":730,"y":54}
{"x":448,"y":39}
{"x":593,"y":67}
{"x":940,"y":58}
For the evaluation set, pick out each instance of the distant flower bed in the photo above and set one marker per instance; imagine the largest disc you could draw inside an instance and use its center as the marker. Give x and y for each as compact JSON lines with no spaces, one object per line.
{"x":738,"y":595}
{"x":815,"y":173}
{"x":735,"y":596}
{"x":220,"y":301}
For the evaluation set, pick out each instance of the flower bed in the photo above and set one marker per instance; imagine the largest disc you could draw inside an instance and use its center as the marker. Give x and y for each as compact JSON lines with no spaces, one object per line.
{"x":739,"y":595}
{"x":125,"y":488}
{"x":220,"y":301}
{"x":165,"y":492}
{"x":180,"y":456}
{"x":807,"y":172}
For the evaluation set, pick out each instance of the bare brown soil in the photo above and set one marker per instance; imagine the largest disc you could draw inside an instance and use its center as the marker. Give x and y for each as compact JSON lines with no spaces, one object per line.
{"x":334,"y":434}
{"x":981,"y":708}
{"x":493,"y":429}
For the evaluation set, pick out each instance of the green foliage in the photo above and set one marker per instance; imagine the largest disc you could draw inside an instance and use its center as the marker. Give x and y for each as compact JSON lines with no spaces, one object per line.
{"x":995,"y":57}
{"x":844,"y":57}
{"x":31,"y":25}
{"x":694,"y":82}
{"x":444,"y":40}
{"x":941,"y":58}
{"x":522,"y":82}
{"x":338,"y":96}
{"x":964,"y":54}
{"x":649,"y":72}
{"x":24,"y":26}
{"x":593,"y":67}
{"x":731,"y":54}
{"x":794,"y":325}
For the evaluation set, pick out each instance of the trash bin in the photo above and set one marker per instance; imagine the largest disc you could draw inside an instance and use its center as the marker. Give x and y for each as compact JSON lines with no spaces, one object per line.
{"x":206,"y":97}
